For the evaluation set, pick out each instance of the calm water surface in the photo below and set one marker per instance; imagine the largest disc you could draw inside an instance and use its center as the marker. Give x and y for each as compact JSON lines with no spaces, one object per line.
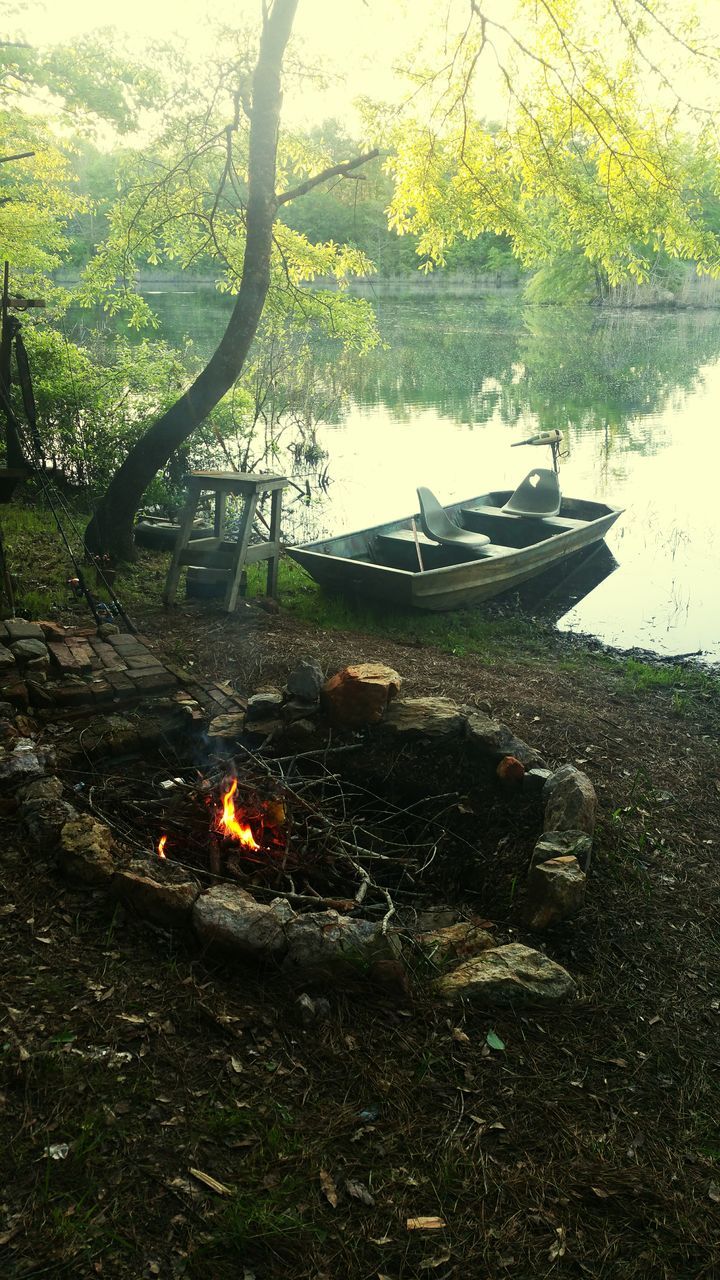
{"x":637,"y":397}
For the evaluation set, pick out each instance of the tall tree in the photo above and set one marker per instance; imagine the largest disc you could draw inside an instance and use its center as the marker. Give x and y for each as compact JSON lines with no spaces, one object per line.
{"x":608,"y":143}
{"x":218,"y":219}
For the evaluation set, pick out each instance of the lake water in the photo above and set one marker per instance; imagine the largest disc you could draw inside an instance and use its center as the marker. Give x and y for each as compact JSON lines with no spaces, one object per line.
{"x":637,"y":396}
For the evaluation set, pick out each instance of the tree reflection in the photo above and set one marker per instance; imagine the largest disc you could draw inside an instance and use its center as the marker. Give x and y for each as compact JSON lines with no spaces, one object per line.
{"x":580,"y":369}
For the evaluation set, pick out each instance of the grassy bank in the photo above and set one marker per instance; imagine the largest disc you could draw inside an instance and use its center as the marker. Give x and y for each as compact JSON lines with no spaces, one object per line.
{"x":41,"y":568}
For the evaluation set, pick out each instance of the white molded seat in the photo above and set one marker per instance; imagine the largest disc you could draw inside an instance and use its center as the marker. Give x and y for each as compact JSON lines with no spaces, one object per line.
{"x":538,"y":495}
{"x":436,"y":524}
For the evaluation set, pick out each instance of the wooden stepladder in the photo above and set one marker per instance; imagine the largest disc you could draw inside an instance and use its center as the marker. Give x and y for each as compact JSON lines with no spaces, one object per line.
{"x":219,"y":557}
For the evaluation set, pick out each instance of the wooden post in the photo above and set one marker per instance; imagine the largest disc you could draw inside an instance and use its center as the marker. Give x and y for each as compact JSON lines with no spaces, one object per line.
{"x":274,"y":561}
{"x":244,"y":531}
{"x":182,"y":540}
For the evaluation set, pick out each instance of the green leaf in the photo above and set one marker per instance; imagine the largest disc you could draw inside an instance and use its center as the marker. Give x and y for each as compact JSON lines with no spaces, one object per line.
{"x":494,"y":1041}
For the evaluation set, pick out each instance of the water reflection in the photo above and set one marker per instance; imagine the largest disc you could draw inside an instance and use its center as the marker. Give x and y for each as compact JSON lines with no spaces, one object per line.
{"x":458,"y":381}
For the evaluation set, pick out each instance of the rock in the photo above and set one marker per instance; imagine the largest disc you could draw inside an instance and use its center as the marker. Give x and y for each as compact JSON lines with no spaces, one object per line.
{"x":455,"y":942}
{"x":265,"y":705}
{"x":36,"y":670}
{"x":7,"y":659}
{"x":509,"y":975}
{"x":263,"y":728}
{"x":570,"y":801}
{"x":18,"y":629}
{"x":44,"y":820}
{"x":495,"y":740}
{"x":358,"y":695}
{"x":13,"y":688}
{"x":44,"y":812}
{"x":107,"y":629}
{"x":227,"y":726}
{"x":561,"y":844}
{"x":535,"y":780}
{"x":431,"y":717}
{"x":295,"y":709}
{"x":306,"y":680}
{"x":87,"y":850}
{"x":309,"y":1009}
{"x":8,"y":732}
{"x":22,"y":760}
{"x":333,"y":947}
{"x":41,"y":789}
{"x":52,"y":630}
{"x":110,"y":735}
{"x":230,"y":919}
{"x":24,"y":650}
{"x":555,"y":891}
{"x":436,"y":918}
{"x":510,"y":770}
{"x":158,"y":892}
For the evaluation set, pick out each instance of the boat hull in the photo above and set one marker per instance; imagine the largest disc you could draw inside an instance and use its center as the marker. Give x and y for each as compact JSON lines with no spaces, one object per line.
{"x":346,"y":564}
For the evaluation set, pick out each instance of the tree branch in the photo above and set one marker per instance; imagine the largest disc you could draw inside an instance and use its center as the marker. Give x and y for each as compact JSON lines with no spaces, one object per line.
{"x":21,"y":155}
{"x":333,"y":171}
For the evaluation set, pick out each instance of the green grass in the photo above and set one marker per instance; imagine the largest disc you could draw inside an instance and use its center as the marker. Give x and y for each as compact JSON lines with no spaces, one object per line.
{"x":461,"y":632}
{"x":41,"y":568}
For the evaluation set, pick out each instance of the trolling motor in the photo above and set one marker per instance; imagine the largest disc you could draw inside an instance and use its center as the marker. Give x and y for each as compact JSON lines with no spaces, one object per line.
{"x":552,"y":438}
{"x":538,"y":496}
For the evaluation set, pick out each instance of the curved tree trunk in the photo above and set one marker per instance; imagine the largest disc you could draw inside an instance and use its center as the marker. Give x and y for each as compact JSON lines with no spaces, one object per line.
{"x":110,"y":530}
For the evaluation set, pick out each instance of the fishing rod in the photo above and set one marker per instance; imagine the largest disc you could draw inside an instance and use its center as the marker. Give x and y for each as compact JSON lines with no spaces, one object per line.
{"x":47,"y":490}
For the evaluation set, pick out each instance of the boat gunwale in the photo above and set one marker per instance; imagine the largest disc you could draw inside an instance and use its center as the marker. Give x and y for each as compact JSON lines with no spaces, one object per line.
{"x":313,"y":549}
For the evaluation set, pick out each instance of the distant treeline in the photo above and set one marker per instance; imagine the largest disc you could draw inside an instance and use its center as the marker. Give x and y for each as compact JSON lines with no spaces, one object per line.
{"x":355,"y":213}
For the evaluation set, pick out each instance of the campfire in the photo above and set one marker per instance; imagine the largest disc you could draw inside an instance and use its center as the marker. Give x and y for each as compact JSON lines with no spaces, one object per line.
{"x":335,"y":827}
{"x":229,"y":824}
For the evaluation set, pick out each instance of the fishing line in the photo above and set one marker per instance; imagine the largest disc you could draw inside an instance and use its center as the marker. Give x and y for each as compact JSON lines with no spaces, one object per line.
{"x":53,"y":495}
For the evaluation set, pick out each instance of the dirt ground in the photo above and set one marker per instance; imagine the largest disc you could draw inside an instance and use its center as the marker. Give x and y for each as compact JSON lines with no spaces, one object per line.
{"x":587,"y":1146}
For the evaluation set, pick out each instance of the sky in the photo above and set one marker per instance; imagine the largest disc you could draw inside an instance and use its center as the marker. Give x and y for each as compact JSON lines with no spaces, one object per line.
{"x":361,"y":45}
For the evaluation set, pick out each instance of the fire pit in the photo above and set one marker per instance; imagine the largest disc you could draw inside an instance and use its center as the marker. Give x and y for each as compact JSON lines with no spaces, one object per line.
{"x":337,"y":855}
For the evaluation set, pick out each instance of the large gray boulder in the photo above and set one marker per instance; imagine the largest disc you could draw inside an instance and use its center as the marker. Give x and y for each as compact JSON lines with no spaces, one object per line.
{"x":570,"y":801}
{"x":331,"y":946}
{"x":555,"y":891}
{"x":306,"y":681}
{"x":264,"y":705}
{"x":429,"y":717}
{"x":25,"y":650}
{"x":25,"y":759}
{"x":509,"y":975}
{"x":228,"y":918}
{"x":495,"y":740}
{"x":19,"y":629}
{"x":7,"y":659}
{"x":158,"y":892}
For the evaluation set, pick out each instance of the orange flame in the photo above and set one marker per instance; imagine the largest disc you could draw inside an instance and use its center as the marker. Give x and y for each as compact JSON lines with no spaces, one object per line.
{"x":161,"y":847}
{"x":229,"y":824}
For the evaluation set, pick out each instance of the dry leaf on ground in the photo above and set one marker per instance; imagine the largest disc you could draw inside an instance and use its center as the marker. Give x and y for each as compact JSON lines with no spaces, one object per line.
{"x":426,"y":1223}
{"x":328,"y":1188}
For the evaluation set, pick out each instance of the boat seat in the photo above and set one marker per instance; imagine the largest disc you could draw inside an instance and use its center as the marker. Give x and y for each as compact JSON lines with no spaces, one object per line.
{"x":437,"y":525}
{"x":504,"y":519}
{"x":406,"y":537}
{"x":537,"y":495}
